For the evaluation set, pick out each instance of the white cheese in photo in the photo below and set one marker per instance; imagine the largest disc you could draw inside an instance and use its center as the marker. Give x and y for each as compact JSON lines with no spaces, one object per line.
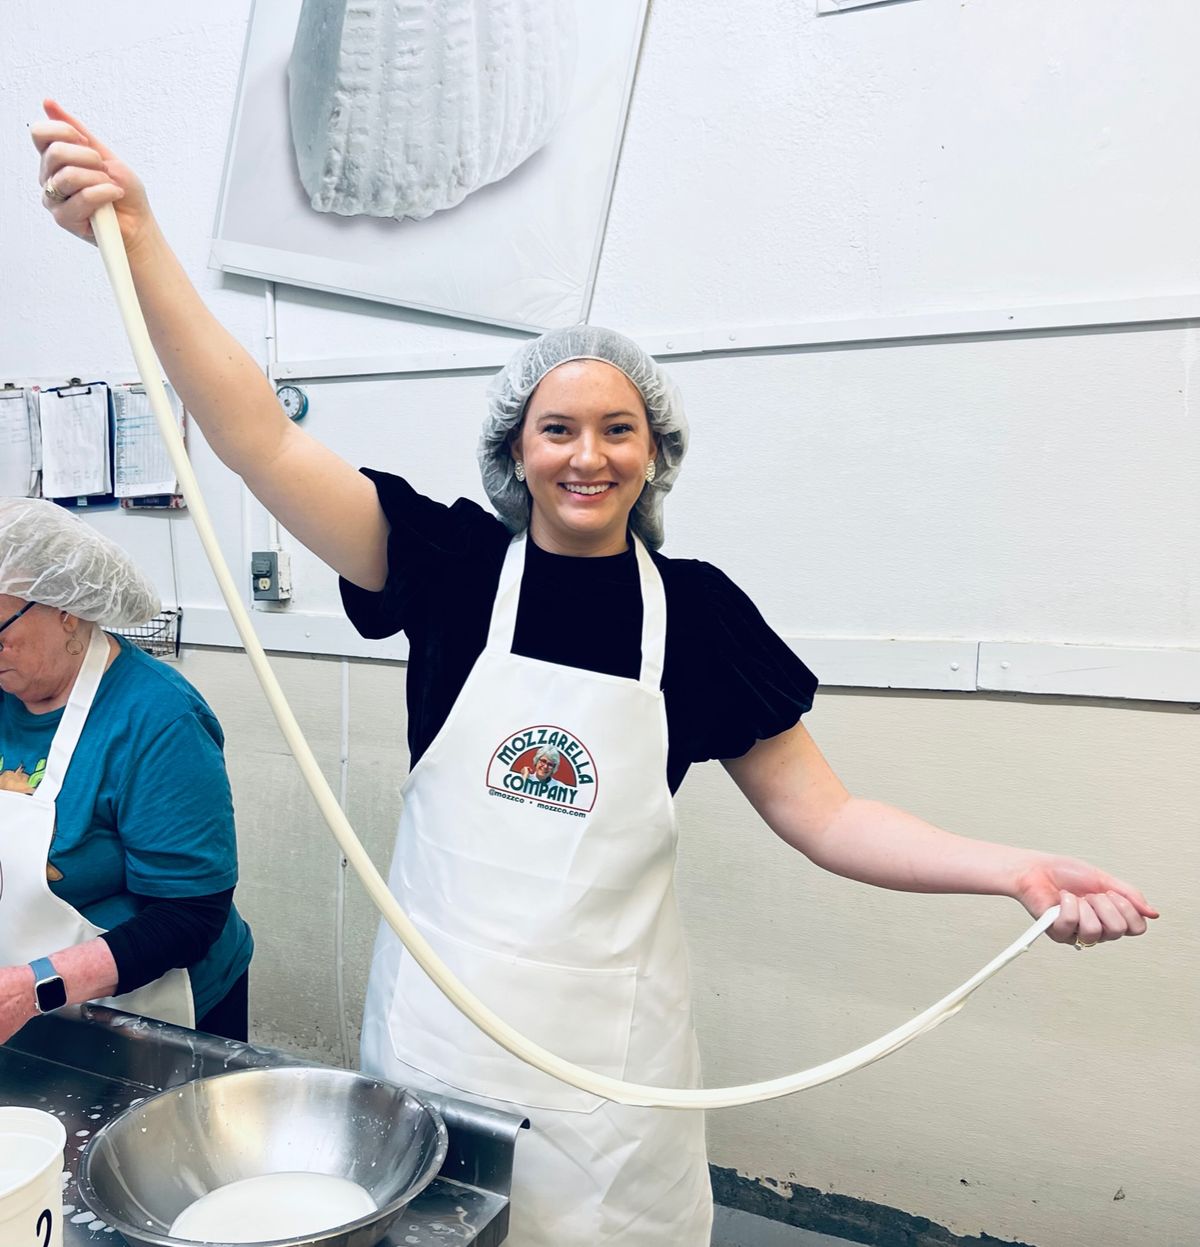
{"x":401,"y":108}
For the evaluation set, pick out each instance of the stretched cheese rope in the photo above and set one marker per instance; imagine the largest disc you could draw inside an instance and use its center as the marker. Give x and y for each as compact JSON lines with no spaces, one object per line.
{"x":112,"y":249}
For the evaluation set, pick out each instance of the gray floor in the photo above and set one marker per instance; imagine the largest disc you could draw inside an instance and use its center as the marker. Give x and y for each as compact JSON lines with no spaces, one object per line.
{"x":732,"y":1228}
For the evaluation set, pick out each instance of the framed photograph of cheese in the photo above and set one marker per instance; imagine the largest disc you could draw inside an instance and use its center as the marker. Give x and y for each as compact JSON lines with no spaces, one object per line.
{"x":462,"y":165}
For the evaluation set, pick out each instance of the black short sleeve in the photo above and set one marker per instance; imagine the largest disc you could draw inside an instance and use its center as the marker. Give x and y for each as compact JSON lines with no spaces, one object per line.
{"x":730,"y":680}
{"x":429,"y":544}
{"x":443,"y":568}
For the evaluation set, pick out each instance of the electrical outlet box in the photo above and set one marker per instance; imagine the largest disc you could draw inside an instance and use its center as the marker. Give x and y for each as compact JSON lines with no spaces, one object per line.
{"x":271,"y":576}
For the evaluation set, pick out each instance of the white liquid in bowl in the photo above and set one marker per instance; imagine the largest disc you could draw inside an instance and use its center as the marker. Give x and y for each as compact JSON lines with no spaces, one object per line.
{"x":276,"y":1205}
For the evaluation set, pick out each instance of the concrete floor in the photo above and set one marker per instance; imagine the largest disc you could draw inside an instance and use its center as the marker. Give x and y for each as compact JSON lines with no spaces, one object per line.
{"x":733,"y":1228}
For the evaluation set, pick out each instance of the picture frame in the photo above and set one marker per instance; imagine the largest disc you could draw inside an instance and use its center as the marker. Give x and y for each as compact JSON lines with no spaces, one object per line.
{"x":521,"y":252}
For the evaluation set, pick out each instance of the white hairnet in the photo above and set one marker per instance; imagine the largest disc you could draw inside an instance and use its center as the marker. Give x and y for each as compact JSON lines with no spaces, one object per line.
{"x":49,"y":556}
{"x":509,"y":393}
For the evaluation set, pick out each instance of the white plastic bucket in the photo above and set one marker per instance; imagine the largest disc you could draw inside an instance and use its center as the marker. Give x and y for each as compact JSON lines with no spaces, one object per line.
{"x":31,"y":1163}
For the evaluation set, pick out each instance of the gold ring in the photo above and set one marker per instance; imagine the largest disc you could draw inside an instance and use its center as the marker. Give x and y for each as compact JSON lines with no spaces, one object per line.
{"x":52,"y":192}
{"x":1080,"y":945}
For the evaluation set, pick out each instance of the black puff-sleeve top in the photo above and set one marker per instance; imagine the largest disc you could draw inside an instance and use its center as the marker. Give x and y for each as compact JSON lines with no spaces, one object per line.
{"x":728,"y":679}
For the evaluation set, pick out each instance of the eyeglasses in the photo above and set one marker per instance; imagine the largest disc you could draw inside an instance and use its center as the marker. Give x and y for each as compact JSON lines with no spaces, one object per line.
{"x":12,"y":619}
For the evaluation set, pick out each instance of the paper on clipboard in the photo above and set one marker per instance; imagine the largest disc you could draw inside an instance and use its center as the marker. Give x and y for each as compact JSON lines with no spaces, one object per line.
{"x":140,"y":460}
{"x":20,"y":458}
{"x":75,"y":457}
{"x":35,"y":436}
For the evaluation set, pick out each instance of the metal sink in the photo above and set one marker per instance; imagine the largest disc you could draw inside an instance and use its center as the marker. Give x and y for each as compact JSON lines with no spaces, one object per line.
{"x":89,"y":1064}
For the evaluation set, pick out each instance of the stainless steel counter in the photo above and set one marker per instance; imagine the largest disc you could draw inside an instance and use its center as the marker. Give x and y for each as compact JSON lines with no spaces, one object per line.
{"x":88,"y":1065}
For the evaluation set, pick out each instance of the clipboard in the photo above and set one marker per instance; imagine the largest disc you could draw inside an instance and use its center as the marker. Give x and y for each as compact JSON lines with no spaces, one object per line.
{"x":143,"y":478}
{"x":20,"y":441}
{"x":77,"y":444}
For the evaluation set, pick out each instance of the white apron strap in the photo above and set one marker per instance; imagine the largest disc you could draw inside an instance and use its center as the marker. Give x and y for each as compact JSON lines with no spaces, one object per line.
{"x":74,"y":716}
{"x":654,"y":619}
{"x":508,"y":596}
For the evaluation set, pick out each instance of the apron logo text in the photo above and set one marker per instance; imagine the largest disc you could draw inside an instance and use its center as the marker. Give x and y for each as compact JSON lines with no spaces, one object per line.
{"x":548,"y":765}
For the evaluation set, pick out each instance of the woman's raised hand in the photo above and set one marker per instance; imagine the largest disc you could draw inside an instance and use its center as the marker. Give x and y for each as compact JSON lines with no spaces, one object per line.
{"x":322,"y":500}
{"x":78,"y":174}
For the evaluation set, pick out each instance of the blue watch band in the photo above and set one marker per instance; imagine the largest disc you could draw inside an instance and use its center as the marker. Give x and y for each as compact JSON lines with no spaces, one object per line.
{"x":43,"y":968}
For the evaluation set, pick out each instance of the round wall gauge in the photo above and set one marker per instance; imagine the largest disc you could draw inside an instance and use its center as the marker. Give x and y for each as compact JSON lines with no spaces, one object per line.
{"x":293,"y":400}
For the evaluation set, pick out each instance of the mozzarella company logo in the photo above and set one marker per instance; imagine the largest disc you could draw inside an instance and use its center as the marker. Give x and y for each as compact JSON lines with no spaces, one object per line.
{"x":547,"y":766}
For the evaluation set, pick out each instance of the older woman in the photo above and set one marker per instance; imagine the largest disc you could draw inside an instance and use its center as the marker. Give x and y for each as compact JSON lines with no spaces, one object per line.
{"x":117,"y":860}
{"x":555,"y":627}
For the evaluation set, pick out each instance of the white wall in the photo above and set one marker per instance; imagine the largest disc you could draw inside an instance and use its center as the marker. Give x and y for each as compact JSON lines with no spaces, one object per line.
{"x":785,"y":169}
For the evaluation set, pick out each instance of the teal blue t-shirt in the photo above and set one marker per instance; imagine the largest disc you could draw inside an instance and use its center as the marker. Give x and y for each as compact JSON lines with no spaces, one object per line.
{"x":145,"y":807}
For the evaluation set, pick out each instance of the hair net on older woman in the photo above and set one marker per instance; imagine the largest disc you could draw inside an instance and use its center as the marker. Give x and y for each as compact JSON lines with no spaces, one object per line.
{"x":509,"y":394}
{"x":49,"y":556}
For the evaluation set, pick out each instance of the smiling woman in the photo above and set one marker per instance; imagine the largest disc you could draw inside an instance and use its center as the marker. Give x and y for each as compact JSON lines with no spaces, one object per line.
{"x":590,"y":414}
{"x":586,"y":447}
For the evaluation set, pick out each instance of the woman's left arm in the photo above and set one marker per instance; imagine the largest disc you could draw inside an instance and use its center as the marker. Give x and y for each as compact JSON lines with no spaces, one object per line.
{"x":88,"y":971}
{"x":794,"y":789}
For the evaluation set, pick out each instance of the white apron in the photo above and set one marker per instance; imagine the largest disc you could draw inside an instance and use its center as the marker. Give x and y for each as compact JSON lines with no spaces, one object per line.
{"x":33,"y":921}
{"x":553,"y":899}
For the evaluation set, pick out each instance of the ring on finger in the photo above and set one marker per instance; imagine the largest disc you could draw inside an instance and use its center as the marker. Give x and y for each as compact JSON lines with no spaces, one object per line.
{"x":1080,"y":945}
{"x":52,"y":192}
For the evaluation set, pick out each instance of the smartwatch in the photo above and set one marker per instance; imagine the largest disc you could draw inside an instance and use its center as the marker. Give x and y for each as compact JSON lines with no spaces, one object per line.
{"x":49,"y":991}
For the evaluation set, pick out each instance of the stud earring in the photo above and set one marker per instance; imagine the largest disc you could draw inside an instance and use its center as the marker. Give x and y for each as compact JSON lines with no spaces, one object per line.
{"x":519,"y":470}
{"x":651,"y":472}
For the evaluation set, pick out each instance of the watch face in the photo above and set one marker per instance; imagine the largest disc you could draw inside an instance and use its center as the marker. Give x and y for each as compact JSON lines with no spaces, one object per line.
{"x":51,"y":994}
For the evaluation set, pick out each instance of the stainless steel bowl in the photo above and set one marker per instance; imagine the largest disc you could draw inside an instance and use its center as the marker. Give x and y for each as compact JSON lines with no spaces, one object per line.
{"x":141,"y":1170}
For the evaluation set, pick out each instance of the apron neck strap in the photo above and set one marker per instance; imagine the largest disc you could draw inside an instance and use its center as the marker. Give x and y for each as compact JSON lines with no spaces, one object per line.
{"x":654,"y":608}
{"x":508,"y":596}
{"x":654,"y":618}
{"x":74,"y":716}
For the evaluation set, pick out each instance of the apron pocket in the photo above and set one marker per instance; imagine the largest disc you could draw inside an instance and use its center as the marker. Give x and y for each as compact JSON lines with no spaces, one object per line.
{"x":582,"y":1015}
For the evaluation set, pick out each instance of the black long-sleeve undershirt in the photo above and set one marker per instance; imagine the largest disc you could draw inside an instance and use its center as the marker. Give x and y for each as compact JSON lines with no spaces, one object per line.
{"x":166,"y":933}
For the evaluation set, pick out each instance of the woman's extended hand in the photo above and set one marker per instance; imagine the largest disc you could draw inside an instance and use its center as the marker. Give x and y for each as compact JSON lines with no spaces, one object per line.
{"x":16,"y":1000}
{"x":1095,"y":906}
{"x":792,"y":786}
{"x":84,"y":174}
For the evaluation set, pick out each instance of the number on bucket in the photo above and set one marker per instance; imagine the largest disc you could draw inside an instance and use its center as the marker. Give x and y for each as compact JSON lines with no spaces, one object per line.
{"x":45,"y":1225}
